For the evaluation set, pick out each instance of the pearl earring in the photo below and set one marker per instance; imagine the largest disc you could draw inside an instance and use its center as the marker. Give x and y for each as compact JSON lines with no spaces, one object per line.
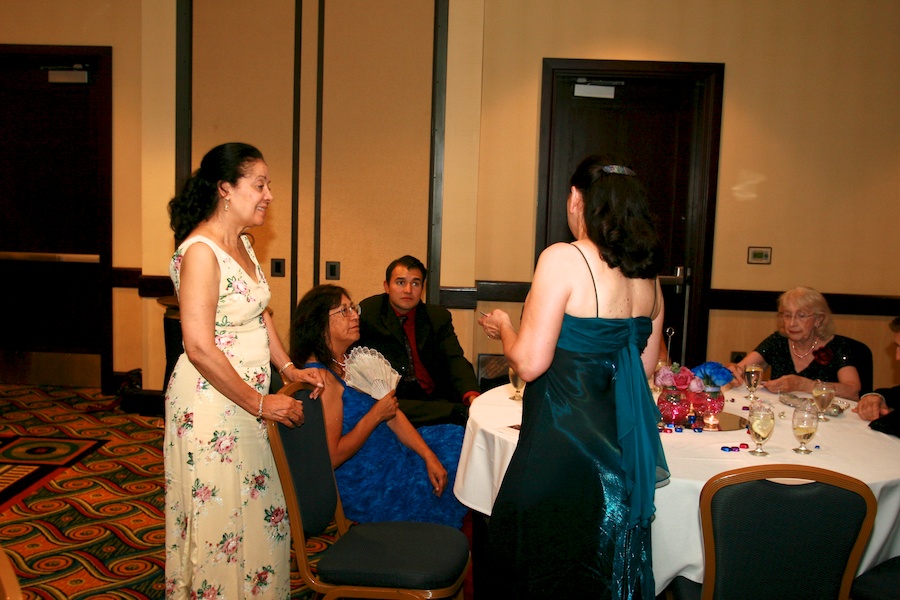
{"x":226,"y":204}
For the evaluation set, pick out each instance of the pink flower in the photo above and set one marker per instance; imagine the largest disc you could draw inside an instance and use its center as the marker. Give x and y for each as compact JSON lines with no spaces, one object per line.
{"x":683,"y":378}
{"x":203,"y":493}
{"x":696,"y":384}
{"x":664,"y":377}
{"x":277,"y":515}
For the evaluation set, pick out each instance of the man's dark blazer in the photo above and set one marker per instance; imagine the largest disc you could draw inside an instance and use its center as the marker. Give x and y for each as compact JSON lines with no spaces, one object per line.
{"x":439,"y":351}
{"x":891,"y":396}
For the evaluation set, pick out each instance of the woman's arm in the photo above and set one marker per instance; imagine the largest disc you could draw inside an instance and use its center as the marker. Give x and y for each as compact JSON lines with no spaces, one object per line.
{"x":288,"y":371}
{"x":847,"y":386}
{"x":410,"y":438}
{"x":198,"y":296}
{"x":754,"y":358}
{"x":530,"y":352}
{"x":343,"y":447}
{"x":650,"y":355}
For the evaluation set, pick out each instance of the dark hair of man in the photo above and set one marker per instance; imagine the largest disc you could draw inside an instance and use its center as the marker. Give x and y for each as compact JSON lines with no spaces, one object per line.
{"x":200,"y":194}
{"x":617,"y":217}
{"x":309,"y":327}
{"x":410,"y":262}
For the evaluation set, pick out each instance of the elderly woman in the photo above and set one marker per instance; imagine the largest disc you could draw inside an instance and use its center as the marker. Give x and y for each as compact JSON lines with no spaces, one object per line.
{"x":804,"y":349}
{"x":386,"y":469}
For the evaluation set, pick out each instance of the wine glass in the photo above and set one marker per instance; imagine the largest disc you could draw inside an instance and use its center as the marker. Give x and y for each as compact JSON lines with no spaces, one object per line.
{"x":805,"y":423}
{"x":752,"y":377}
{"x":517,"y":384}
{"x":762,"y":422}
{"x":823,"y":395}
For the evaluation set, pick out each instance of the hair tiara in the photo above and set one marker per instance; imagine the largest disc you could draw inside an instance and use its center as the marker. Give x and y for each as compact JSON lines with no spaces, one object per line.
{"x":617,"y":170}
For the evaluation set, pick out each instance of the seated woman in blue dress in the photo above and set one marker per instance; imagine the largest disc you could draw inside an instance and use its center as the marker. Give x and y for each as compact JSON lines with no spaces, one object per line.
{"x":386,"y":469}
{"x":804,"y":349}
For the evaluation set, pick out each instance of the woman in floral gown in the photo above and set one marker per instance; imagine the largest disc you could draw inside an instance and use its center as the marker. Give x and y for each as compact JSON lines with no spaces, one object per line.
{"x":227,"y":533}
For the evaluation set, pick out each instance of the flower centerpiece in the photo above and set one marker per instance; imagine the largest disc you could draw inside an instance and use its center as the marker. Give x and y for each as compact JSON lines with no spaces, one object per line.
{"x":713,"y":375}
{"x":676,"y":382}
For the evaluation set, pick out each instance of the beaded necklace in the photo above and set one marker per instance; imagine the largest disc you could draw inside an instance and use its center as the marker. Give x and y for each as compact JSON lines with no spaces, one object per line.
{"x":815,"y":344}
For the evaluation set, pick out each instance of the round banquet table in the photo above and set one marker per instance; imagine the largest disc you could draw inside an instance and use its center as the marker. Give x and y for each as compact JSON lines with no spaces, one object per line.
{"x":844,"y":444}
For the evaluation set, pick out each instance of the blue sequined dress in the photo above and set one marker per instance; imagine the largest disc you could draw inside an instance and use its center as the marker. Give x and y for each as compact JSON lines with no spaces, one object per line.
{"x":385,"y":480}
{"x":572,"y":517}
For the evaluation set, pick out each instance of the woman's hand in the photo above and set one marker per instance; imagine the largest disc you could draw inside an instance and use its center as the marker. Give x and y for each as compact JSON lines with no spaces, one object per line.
{"x":788,"y":383}
{"x":437,"y":474}
{"x":493,"y":321}
{"x":313,"y":376}
{"x":283,"y":409}
{"x":738,"y":372}
{"x":386,"y":408}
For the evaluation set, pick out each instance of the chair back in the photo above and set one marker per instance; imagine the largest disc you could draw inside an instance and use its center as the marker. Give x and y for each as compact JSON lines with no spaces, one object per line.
{"x":301,"y":453}
{"x":765,"y":539}
{"x":861,"y":357}
{"x":493,"y":371}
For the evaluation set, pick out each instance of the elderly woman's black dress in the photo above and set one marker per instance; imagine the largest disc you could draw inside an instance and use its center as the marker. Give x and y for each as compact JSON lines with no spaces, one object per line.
{"x":827,"y":360}
{"x":572,"y":517}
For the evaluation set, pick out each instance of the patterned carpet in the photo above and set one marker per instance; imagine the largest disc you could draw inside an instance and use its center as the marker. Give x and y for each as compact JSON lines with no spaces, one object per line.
{"x":90,"y":524}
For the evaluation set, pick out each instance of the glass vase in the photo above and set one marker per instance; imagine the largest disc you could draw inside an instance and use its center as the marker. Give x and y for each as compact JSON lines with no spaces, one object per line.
{"x":673,"y":406}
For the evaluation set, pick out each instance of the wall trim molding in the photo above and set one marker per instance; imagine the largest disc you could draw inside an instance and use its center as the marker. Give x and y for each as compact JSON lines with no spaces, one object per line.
{"x":761,"y":301}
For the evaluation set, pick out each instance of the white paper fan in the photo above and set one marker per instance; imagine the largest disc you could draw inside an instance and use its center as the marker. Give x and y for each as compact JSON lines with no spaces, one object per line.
{"x":368,"y":371}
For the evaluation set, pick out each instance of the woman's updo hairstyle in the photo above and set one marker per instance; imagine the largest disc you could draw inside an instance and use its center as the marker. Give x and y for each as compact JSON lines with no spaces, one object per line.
{"x":200,"y":195}
{"x":617,"y":217}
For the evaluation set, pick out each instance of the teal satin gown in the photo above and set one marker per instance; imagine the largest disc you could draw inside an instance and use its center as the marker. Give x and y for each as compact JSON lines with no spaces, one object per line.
{"x":572,"y":517}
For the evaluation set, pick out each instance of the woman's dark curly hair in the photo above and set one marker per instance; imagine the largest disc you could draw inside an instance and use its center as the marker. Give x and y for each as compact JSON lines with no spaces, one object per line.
{"x":200,"y":194}
{"x":309,"y":327}
{"x":617,"y":217}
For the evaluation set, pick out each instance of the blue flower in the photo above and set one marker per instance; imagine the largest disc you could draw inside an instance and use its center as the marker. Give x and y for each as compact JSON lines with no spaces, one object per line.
{"x":713,"y":374}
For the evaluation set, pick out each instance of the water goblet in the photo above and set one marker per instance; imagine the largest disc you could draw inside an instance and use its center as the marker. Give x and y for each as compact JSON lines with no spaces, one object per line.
{"x":762,"y":423}
{"x":823,"y":396}
{"x":752,"y":377}
{"x":805,"y":422}
{"x":517,"y":383}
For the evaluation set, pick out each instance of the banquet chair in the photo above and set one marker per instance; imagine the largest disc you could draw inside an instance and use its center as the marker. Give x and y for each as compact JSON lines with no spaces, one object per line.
{"x":768,"y":539}
{"x":881,"y":582}
{"x":493,"y":371}
{"x":862,"y":359}
{"x":9,"y":583}
{"x":366,"y":560}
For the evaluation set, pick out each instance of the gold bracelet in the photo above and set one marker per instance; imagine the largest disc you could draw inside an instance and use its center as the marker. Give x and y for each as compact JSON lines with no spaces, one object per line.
{"x":286,"y":365}
{"x":259,"y":412}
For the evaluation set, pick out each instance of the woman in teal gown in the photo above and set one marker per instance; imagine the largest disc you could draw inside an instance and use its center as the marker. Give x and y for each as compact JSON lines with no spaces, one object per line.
{"x":572,"y":517}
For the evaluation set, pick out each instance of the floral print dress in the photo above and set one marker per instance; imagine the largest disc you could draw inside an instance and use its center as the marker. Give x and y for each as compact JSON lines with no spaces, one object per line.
{"x":227,"y":533}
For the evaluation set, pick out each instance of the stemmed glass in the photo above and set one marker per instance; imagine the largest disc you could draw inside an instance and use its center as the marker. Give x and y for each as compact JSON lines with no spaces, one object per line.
{"x":762,"y":422}
{"x":518,"y":385}
{"x":823,"y":395}
{"x":805,"y":423}
{"x":752,"y":377}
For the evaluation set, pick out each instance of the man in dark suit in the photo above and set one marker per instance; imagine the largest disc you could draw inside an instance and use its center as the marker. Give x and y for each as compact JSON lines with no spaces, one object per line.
{"x":437,"y":381}
{"x":882,"y":401}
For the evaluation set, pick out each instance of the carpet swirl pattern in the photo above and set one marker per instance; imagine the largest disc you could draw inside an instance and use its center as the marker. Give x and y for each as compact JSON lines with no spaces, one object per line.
{"x":94,"y":529}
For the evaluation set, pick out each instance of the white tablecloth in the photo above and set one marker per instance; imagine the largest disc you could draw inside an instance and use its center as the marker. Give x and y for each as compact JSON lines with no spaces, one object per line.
{"x":845,"y":444}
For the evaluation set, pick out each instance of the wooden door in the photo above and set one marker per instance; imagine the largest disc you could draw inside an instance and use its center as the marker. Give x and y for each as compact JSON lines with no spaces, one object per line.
{"x":664,"y":120}
{"x":56,"y":230}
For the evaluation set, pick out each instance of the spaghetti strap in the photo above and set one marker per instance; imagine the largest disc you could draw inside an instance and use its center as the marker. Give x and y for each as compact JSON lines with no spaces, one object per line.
{"x":596,"y":297}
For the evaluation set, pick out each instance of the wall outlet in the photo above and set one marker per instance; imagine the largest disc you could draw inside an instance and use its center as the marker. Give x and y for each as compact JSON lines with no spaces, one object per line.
{"x":332,"y":269}
{"x":277,"y":268}
{"x":737,"y":356}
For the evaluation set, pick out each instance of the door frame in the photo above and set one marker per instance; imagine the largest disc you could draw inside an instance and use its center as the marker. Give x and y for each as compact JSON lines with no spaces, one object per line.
{"x":708,"y":79}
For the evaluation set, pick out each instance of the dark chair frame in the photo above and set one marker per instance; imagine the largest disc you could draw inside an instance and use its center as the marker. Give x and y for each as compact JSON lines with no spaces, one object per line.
{"x":783,"y":471}
{"x":298,"y":533}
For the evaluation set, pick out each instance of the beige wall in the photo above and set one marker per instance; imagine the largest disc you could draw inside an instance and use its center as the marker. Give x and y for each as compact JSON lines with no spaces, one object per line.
{"x":141,"y":34}
{"x":809,"y":164}
{"x":810,"y":156}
